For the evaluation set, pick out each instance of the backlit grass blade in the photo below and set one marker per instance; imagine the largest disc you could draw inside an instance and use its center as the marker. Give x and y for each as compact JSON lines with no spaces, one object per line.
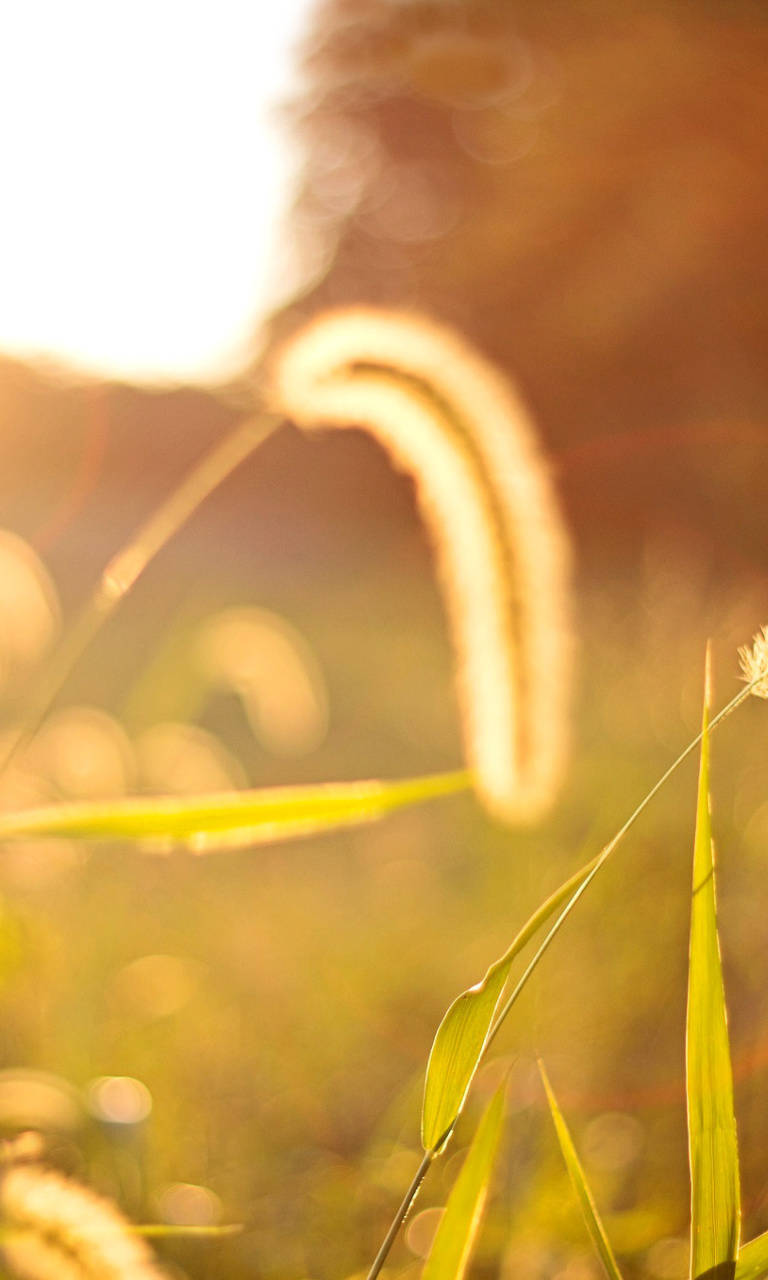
{"x":463,"y":1033}
{"x":231,"y":817}
{"x":580,"y":1185}
{"x":711,"y":1122}
{"x":459,"y":1228}
{"x":752,"y":1262}
{"x":125,"y":568}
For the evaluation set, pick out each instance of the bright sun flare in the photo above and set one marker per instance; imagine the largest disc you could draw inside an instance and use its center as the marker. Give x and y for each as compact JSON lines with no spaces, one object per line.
{"x":144,"y":174}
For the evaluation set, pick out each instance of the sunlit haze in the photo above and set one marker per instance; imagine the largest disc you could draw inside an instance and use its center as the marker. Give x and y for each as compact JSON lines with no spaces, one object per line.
{"x":145,"y":171}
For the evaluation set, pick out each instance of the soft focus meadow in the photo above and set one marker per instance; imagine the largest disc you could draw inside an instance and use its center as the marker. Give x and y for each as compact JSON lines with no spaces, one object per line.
{"x":276,"y":1006}
{"x":238,"y":1036}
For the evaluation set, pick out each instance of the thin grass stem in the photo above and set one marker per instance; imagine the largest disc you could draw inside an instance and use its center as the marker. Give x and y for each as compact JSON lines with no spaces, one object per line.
{"x":735,"y":702}
{"x":124,"y":569}
{"x":401,"y":1215}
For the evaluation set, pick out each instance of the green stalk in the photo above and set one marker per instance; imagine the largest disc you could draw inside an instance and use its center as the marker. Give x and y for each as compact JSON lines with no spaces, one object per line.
{"x":401,"y":1215}
{"x":735,"y":702}
{"x":603,"y":857}
{"x":124,"y":569}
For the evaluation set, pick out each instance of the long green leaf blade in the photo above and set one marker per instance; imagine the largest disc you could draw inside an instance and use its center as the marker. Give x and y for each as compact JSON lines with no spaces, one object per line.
{"x":232,"y":817}
{"x":752,"y":1262}
{"x":457,"y":1233}
{"x":580,"y":1185}
{"x":463,"y":1033}
{"x":711,"y":1122}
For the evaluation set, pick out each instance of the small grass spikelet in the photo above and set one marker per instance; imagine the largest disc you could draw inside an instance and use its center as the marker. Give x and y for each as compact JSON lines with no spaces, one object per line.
{"x":754,"y":663}
{"x":449,"y":420}
{"x":56,"y":1229}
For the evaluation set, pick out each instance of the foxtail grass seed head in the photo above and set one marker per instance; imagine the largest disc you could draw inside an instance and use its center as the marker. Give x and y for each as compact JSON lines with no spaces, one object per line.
{"x":31,"y":1257}
{"x":55,"y":1229}
{"x":754,"y":663}
{"x":448,"y":419}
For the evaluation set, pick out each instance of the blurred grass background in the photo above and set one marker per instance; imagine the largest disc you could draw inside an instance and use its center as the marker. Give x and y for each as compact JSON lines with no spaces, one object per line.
{"x":279,"y":1005}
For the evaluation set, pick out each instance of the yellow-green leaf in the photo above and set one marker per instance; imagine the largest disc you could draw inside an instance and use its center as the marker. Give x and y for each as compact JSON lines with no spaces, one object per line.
{"x":233,"y":817}
{"x":460,"y":1225}
{"x":711,"y":1122}
{"x":752,"y":1262}
{"x":580,"y":1185}
{"x":463,"y":1033}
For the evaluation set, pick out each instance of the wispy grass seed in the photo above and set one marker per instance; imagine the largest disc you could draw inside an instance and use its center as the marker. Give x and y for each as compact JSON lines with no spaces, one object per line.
{"x":56,"y":1229}
{"x":754,"y":663}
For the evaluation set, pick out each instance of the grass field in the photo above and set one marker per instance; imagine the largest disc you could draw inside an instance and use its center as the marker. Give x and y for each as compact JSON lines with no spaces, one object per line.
{"x":283,"y":1026}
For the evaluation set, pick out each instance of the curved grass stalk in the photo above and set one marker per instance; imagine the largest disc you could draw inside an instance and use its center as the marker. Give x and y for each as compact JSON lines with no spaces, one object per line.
{"x":448,"y":419}
{"x":453,"y":423}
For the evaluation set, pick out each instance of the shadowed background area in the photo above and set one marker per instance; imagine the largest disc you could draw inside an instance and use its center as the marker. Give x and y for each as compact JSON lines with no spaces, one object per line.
{"x":581,"y":189}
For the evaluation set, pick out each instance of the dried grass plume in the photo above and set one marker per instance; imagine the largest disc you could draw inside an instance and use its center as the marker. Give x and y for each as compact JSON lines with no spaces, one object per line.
{"x":754,"y":663}
{"x":55,"y":1229}
{"x":451,"y":421}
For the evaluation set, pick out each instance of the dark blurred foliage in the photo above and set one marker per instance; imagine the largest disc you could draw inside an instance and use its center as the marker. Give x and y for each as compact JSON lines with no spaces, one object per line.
{"x":581,"y":189}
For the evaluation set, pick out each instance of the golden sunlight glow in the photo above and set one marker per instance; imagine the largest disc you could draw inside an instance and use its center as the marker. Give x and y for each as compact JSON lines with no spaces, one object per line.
{"x":38,"y":1100}
{"x":84,"y":753}
{"x":153,"y":987}
{"x":119,"y":1100}
{"x":269,"y":664}
{"x":29,"y":607}
{"x":186,"y":1205}
{"x":144,"y":174}
{"x":183,"y":759}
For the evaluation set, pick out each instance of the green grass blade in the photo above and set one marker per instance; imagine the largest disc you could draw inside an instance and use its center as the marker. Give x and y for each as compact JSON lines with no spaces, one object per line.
{"x":752,"y":1262}
{"x":711,"y":1122}
{"x":232,"y":817}
{"x":463,"y":1033}
{"x":580,"y":1185}
{"x":456,"y":1053}
{"x":457,"y":1233}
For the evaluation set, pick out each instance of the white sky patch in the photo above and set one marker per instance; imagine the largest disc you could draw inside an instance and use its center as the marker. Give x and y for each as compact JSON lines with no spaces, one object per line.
{"x":144,"y":177}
